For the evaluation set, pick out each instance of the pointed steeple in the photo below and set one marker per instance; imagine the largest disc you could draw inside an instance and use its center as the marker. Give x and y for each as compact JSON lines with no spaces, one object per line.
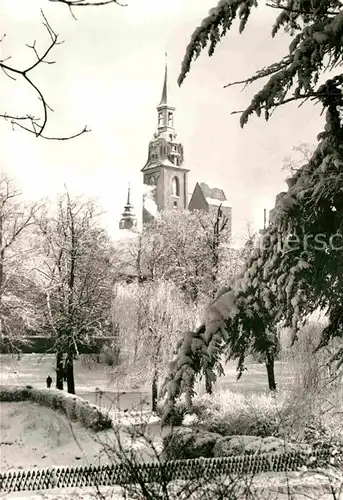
{"x":165,"y":149}
{"x":165,"y":111}
{"x":128,"y":196}
{"x":129,"y":219}
{"x":164,"y":172}
{"x":164,"y":98}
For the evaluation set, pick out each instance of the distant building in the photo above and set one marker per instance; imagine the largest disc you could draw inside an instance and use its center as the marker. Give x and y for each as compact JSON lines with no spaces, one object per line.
{"x":129,"y":219}
{"x":210,"y":199}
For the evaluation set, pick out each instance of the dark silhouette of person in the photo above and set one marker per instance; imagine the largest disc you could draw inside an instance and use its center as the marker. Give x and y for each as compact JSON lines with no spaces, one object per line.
{"x":48,"y":381}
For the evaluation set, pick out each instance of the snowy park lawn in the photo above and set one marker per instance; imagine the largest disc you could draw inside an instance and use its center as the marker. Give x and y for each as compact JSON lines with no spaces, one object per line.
{"x":32,"y":369}
{"x":37,"y":436}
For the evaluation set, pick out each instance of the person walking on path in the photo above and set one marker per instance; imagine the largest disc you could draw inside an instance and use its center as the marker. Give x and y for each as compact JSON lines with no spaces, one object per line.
{"x":48,"y":381}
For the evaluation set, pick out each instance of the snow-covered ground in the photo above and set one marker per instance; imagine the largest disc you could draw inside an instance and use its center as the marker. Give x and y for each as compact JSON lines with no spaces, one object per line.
{"x":36,"y":436}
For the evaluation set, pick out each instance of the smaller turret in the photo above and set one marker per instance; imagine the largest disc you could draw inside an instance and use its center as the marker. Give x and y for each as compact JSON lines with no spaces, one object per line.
{"x":129,"y":219}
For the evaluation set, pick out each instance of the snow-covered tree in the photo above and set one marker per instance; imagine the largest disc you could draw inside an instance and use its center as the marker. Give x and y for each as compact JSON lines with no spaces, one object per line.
{"x":297,"y":267}
{"x":19,"y":292}
{"x":76,"y":270}
{"x":316,"y":47}
{"x":191,"y":249}
{"x":150,"y":316}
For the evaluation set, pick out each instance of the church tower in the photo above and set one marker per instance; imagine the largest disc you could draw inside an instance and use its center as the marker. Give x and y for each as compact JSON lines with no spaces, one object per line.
{"x":128,"y":220}
{"x":164,"y":170}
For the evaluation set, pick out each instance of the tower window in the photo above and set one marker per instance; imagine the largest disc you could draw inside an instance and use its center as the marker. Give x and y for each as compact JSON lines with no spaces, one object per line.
{"x":175,"y":186}
{"x":175,"y":204}
{"x":160,"y":119}
{"x":170,"y":119}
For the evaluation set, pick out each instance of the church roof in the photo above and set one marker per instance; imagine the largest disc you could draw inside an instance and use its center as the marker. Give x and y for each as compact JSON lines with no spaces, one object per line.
{"x":213,"y":195}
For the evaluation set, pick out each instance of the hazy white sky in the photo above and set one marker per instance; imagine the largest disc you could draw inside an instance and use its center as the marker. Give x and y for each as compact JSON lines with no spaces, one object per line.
{"x":108,"y":75}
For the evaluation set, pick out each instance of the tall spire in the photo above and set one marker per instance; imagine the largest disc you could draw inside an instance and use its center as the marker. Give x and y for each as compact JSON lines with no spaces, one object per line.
{"x":165,"y":117}
{"x":164,"y":98}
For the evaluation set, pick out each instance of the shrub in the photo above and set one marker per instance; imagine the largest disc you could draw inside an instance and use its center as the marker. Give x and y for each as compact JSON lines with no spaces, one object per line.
{"x":10,"y":394}
{"x":74,"y":407}
{"x":230,"y":413}
{"x":189,"y":443}
{"x":238,"y":445}
{"x":110,"y":354}
{"x":194,"y":443}
{"x":295,"y":415}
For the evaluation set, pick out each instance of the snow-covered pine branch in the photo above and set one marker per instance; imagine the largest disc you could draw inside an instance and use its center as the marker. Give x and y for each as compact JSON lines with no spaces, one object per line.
{"x":316,"y":47}
{"x":280,"y":282}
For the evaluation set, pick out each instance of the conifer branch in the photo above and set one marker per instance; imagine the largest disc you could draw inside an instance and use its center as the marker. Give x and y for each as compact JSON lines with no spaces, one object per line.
{"x":298,"y":12}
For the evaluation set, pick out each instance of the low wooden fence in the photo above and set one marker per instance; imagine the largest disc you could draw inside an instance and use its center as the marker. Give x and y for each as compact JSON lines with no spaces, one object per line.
{"x":162,"y":472}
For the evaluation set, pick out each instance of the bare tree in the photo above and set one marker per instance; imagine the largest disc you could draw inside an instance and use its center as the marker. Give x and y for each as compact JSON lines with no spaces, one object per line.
{"x":78,"y":281}
{"x":16,"y":304}
{"x":37,"y":124}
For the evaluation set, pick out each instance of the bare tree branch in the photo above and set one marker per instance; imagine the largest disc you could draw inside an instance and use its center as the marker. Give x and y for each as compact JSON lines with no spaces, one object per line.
{"x":85,"y":3}
{"x":37,"y":126}
{"x":33,"y":124}
{"x":88,"y":3}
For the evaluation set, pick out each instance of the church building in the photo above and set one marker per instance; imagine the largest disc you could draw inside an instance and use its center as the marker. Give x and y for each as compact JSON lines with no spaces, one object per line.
{"x":165,"y":176}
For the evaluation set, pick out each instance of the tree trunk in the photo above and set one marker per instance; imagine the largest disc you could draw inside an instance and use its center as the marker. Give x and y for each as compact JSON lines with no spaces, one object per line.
{"x":154,"y":391}
{"x":270,"y":372}
{"x":69,"y":368}
{"x":208,"y":384}
{"x":59,"y":371}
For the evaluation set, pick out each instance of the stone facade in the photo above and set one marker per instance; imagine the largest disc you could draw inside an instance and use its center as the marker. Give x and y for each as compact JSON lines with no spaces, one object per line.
{"x":164,"y":170}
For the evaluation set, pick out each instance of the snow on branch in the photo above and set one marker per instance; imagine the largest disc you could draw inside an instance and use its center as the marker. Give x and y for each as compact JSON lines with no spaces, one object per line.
{"x":213,"y":28}
{"x":281,"y":282}
{"x":315,"y":47}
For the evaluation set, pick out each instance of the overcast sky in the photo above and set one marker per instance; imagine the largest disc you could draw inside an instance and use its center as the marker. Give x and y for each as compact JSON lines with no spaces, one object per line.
{"x":108,"y":75}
